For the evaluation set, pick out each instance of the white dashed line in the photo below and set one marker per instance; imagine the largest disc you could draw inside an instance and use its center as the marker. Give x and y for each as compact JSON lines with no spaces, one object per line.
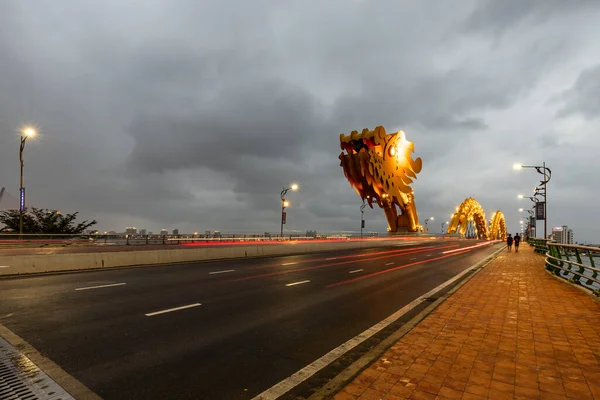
{"x":221,"y":272}
{"x":390,"y":263}
{"x":297,"y":283}
{"x":414,"y":258}
{"x":428,"y":255}
{"x":290,"y":263}
{"x":329,"y":259}
{"x":172,"y":309}
{"x":355,"y":271}
{"x":101,"y":286}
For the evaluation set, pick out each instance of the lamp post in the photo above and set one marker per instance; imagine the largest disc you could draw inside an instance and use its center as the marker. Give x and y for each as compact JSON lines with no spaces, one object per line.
{"x":362,"y":218}
{"x":547,"y":173}
{"x":444,"y":223}
{"x":427,"y":220}
{"x":285,"y":204}
{"x":24,"y":135}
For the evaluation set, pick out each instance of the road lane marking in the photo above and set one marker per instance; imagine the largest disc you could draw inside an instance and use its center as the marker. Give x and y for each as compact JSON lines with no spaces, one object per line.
{"x":414,"y":258}
{"x":332,"y":258}
{"x":466,"y":248}
{"x":390,"y":263}
{"x":172,"y":309}
{"x":297,"y":378}
{"x":290,"y":271}
{"x":355,"y":271}
{"x":4,"y":266}
{"x":290,"y":263}
{"x":101,"y":286}
{"x":297,"y":283}
{"x":221,"y":272}
{"x":428,"y":255}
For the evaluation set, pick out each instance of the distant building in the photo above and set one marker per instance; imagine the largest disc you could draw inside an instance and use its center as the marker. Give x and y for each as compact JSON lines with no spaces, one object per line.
{"x":131,"y":230}
{"x":563,"y":235}
{"x":164,"y":232}
{"x":175,"y":232}
{"x":150,"y":233}
{"x":142,"y":232}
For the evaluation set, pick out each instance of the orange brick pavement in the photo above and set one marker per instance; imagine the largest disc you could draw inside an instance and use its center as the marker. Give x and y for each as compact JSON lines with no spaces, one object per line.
{"x":511,"y":332}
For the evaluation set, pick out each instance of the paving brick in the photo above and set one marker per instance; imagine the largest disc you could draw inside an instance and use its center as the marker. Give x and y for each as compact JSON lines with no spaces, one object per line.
{"x":512,"y":331}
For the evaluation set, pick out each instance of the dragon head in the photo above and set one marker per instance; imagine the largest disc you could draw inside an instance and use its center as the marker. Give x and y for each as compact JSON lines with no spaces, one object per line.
{"x":380,"y":168}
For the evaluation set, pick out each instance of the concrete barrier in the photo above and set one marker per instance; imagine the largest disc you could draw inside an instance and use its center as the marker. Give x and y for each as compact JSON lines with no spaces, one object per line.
{"x":33,"y":264}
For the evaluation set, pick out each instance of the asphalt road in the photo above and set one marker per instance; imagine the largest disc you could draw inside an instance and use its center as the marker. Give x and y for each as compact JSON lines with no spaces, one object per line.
{"x":240,"y":326}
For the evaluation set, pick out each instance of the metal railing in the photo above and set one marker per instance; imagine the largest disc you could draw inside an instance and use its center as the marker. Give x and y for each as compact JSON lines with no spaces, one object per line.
{"x":11,"y":240}
{"x":577,"y":264}
{"x":539,"y":245}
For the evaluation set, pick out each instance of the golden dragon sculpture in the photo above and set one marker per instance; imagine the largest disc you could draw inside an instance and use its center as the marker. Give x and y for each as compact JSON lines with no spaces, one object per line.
{"x":379,"y":166}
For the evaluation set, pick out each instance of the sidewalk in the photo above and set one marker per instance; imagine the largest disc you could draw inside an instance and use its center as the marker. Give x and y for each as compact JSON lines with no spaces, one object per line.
{"x":511,"y":332}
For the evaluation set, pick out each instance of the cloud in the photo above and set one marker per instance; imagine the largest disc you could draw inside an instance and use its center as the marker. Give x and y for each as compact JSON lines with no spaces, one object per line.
{"x":584,"y":97}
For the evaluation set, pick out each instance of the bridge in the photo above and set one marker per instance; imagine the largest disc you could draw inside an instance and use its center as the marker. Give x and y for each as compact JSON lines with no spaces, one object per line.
{"x":449,"y":315}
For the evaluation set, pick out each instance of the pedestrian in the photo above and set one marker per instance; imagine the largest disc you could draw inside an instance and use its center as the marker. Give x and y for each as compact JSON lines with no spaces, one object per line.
{"x":517,"y":241}
{"x":509,"y":242}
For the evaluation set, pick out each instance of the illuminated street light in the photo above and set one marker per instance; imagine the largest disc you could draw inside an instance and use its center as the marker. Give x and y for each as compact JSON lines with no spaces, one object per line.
{"x":520,"y":196}
{"x":520,"y":210}
{"x":27,"y":132}
{"x":427,"y":220}
{"x":293,"y":187}
{"x":541,"y":189}
{"x":517,"y":166}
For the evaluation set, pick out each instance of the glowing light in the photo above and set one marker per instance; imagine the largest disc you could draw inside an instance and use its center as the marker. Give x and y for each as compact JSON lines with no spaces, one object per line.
{"x":29,"y":132}
{"x":517,"y":166}
{"x":286,"y":203}
{"x":520,"y":210}
{"x":520,"y":196}
{"x":294,"y":186}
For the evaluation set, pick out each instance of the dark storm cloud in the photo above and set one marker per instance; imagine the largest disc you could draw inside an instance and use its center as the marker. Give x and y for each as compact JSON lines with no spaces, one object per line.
{"x":195,"y":114}
{"x":584,"y":97}
{"x":497,"y":17}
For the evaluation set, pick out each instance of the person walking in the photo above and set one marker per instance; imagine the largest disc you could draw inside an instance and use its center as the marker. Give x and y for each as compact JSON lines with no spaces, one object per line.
{"x":509,"y":242}
{"x":517,"y":241}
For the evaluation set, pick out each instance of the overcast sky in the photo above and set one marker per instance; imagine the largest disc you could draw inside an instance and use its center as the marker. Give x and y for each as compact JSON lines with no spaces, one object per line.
{"x":194,"y":114}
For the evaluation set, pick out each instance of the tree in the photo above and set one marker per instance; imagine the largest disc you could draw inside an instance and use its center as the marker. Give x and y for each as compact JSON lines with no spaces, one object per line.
{"x":41,"y":220}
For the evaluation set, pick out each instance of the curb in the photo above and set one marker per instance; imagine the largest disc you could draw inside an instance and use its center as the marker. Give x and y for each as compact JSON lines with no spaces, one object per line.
{"x":345,"y":377}
{"x":62,"y":378}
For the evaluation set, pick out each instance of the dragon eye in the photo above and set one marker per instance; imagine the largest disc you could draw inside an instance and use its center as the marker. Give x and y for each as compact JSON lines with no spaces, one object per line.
{"x":392,"y":151}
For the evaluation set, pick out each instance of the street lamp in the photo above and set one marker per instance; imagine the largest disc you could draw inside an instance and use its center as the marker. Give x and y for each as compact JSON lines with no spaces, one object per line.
{"x":547,"y":173}
{"x":27,"y":132}
{"x":284,"y":204}
{"x":362,"y":218}
{"x":427,"y":220}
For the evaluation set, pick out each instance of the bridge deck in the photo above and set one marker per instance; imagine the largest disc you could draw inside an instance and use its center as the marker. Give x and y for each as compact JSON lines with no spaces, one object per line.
{"x":512,"y":331}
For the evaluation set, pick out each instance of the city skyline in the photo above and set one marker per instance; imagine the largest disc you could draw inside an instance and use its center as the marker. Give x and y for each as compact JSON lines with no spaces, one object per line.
{"x":185,"y":124}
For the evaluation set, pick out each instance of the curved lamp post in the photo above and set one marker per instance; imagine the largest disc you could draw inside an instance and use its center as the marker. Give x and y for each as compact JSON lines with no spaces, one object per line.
{"x":427,"y":220}
{"x":285,"y":204}
{"x":27,"y":132}
{"x":542,"y":188}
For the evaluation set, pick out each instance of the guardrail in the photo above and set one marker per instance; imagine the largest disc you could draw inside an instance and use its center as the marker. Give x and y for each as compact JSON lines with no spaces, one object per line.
{"x":540,"y":245}
{"x":62,"y":240}
{"x":576,"y":264}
